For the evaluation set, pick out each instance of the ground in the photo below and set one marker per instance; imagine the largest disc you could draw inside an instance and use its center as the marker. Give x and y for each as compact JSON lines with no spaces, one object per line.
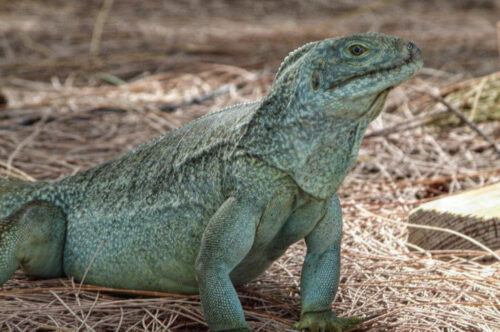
{"x":71,"y":98}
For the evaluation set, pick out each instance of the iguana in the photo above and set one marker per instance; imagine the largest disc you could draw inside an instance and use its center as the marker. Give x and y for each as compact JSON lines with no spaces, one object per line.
{"x":210,"y":205}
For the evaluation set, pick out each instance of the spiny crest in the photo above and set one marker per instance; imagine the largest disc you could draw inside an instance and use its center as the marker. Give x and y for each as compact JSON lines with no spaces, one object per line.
{"x":293,"y":56}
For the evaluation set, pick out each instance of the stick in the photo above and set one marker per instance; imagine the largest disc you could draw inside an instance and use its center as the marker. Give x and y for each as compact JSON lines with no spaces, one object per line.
{"x":199,"y":99}
{"x":405,"y":125}
{"x":92,"y":288}
{"x":465,"y":120}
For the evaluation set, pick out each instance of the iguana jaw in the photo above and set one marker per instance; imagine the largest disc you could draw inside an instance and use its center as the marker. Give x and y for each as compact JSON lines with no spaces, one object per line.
{"x":377,"y":105}
{"x":359,"y":95}
{"x":410,"y":65}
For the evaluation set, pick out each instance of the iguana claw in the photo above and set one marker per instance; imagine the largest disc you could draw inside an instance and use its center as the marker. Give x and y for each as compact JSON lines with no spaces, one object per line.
{"x":326,"y":321}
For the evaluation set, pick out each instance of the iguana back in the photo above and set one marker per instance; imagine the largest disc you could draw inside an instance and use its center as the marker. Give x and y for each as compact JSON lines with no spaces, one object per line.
{"x":161,"y":193}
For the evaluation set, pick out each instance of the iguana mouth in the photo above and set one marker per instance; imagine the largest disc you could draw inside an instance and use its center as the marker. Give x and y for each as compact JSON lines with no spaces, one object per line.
{"x":370,"y":109}
{"x":372,"y":72}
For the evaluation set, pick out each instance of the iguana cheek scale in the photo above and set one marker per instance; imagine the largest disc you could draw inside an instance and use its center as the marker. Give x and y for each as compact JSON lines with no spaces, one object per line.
{"x":212,"y":204}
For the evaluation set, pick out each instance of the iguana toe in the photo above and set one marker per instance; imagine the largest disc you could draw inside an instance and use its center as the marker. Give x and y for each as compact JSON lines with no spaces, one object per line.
{"x":327,"y":321}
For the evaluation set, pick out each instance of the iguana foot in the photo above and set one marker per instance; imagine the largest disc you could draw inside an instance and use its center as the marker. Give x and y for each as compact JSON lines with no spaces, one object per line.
{"x":326,"y":321}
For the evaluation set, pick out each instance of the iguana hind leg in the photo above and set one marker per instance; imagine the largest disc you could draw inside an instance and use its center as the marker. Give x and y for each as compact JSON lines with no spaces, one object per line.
{"x":33,"y":238}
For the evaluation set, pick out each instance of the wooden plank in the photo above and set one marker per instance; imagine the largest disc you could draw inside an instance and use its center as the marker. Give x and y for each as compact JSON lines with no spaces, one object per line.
{"x":475,"y":213}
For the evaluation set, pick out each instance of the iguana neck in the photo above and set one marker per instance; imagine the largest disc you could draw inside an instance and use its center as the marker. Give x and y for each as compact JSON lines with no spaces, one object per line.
{"x":316,"y":151}
{"x":317,"y":157}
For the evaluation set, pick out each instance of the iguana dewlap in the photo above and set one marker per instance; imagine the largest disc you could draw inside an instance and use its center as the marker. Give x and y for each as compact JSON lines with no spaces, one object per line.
{"x":212,"y":204}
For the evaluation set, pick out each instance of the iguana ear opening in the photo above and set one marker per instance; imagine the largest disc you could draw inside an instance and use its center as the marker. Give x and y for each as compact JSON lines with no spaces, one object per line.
{"x":315,"y":80}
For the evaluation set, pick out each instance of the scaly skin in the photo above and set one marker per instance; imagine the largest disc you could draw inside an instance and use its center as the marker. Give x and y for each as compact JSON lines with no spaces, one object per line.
{"x":212,"y":204}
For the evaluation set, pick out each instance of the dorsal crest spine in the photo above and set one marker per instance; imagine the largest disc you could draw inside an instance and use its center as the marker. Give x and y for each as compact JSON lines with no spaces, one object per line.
{"x":292,"y":57}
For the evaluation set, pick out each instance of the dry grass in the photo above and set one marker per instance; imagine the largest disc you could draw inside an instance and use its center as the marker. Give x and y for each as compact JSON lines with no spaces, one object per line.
{"x":68,"y":120}
{"x":57,"y":131}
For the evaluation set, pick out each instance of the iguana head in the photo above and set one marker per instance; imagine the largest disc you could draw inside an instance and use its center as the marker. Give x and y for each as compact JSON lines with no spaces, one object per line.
{"x":348,"y":77}
{"x":325,"y":94}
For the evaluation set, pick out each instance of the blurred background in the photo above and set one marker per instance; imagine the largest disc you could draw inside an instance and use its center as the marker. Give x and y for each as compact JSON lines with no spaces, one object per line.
{"x":84,"y":81}
{"x":175,"y":60}
{"x":40,"y":39}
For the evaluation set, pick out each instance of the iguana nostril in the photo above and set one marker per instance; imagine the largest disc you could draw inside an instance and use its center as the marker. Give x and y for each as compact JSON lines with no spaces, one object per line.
{"x":413,"y":49}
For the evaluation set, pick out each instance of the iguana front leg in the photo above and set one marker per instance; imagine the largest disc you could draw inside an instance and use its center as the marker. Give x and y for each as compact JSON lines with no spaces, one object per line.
{"x":226,"y":241}
{"x":320,"y":274}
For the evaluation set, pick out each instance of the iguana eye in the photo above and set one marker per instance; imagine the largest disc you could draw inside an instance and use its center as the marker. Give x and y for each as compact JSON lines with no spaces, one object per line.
{"x":357,"y":50}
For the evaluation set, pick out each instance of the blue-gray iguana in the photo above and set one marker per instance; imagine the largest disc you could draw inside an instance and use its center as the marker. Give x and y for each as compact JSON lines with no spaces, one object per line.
{"x":212,"y":204}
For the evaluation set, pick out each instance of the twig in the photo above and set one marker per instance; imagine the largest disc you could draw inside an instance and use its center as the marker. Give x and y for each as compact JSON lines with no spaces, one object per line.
{"x":121,"y":320}
{"x":92,"y":288}
{"x":405,"y":125}
{"x":443,"y":92}
{"x":199,"y":99}
{"x":72,"y":312}
{"x":477,"y":97}
{"x":284,"y":321}
{"x":465,"y":120}
{"x":99,"y":26}
{"x":428,"y":181}
{"x":14,"y":172}
{"x":53,"y":328}
{"x":26,"y":141}
{"x":89,"y":266}
{"x":89,"y":312}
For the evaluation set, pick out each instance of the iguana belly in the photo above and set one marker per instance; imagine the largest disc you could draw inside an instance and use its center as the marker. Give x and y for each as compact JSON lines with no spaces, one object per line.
{"x":150,"y":251}
{"x":149,"y":244}
{"x":156,"y":249}
{"x":289,"y":217}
